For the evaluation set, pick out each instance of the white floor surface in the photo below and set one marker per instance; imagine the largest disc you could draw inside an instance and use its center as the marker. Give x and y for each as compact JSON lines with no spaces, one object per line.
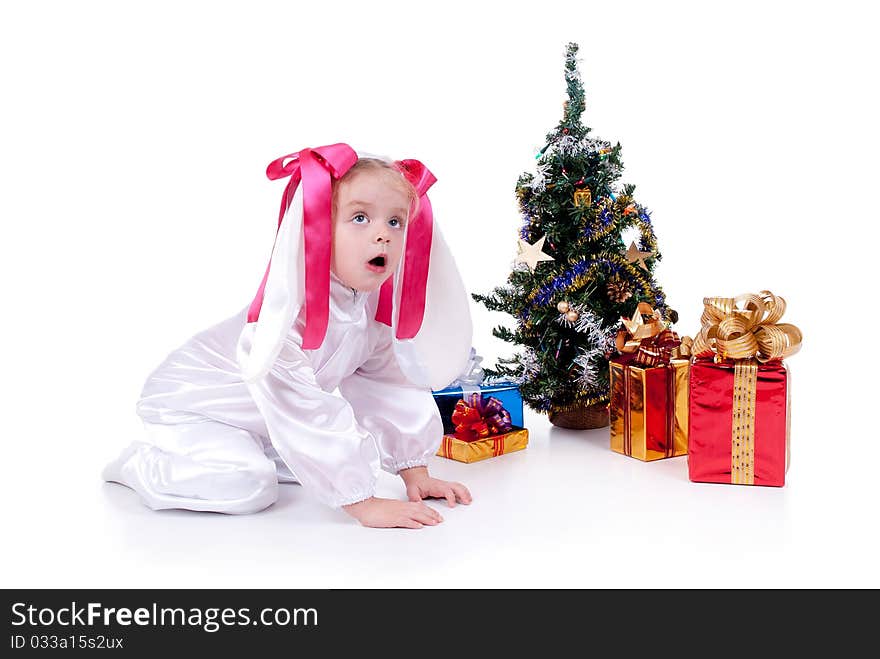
{"x":565,"y":512}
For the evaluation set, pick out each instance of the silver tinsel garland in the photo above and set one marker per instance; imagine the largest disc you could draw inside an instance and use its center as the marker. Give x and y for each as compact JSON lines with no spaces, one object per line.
{"x":531,"y":365}
{"x":599,"y":339}
{"x":588,"y":377}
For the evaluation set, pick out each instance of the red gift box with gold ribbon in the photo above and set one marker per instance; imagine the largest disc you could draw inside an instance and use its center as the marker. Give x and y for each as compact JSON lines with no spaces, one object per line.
{"x":739,"y":397}
{"x":739,"y":423}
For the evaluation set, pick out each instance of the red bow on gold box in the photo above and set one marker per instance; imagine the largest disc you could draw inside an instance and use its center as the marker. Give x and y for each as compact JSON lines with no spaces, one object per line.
{"x":483,"y":429}
{"x":649,"y":340}
{"x":476,"y":417}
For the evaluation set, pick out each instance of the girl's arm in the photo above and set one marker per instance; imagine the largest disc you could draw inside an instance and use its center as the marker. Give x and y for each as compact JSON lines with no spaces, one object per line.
{"x":315,"y":432}
{"x":405,"y":421}
{"x":402,"y":417}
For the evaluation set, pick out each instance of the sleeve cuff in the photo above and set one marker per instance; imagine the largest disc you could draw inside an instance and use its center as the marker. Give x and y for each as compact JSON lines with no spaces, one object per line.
{"x":408,"y":464}
{"x":361,"y":495}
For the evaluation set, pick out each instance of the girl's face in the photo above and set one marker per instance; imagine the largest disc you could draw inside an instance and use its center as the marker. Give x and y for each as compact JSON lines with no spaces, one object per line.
{"x":368,"y":227}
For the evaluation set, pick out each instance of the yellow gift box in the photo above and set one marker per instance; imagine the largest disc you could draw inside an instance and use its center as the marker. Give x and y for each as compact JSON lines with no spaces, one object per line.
{"x":490,"y":447}
{"x":649,"y":410}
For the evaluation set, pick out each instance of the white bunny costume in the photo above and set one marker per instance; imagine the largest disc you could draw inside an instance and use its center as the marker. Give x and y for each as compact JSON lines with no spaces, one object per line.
{"x":313,"y":382}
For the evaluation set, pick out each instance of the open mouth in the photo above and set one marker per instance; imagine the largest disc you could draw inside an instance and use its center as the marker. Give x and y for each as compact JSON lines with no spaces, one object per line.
{"x":376,"y":264}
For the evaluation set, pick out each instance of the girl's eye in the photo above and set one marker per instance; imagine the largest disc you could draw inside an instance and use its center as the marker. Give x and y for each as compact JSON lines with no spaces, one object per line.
{"x":360,"y":218}
{"x":395,"y":223}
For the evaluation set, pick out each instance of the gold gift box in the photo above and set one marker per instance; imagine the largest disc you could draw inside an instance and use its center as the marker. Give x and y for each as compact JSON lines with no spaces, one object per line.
{"x":641,"y":400}
{"x":457,"y":449}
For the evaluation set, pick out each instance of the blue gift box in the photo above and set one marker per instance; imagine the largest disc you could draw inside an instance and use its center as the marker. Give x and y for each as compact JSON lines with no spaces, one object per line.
{"x":506,"y":392}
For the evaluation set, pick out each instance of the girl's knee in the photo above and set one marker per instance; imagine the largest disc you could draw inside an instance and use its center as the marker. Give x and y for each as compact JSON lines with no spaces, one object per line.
{"x":242,"y":489}
{"x":260,"y":489}
{"x":166,"y":480}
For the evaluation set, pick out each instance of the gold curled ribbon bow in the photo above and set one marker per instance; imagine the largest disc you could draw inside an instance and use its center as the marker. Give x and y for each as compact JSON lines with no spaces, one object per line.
{"x":638,"y":328}
{"x":651,"y":340}
{"x":685,"y":350}
{"x":746,"y":326}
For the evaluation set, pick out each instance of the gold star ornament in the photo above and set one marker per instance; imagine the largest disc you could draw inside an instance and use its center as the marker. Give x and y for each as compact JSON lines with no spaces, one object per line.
{"x":633,"y":254}
{"x":531,"y":255}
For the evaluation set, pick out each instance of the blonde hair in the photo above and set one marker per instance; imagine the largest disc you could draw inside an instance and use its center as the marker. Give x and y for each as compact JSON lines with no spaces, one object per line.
{"x":395,"y":176}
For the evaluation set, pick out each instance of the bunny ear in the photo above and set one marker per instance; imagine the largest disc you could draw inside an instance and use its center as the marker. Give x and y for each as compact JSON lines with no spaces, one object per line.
{"x":283,"y":295}
{"x":439,"y":352}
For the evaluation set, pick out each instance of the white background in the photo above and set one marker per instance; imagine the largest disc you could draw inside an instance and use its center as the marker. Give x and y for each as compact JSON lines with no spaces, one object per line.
{"x":135,"y":210}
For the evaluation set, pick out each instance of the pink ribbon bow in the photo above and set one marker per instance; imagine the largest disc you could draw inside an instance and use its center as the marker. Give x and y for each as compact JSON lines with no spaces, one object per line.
{"x":316,"y":169}
{"x":416,"y":258}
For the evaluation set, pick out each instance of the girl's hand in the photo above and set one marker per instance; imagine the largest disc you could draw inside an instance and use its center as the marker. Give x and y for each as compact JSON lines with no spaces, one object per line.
{"x":391,"y":513}
{"x":419,"y":485}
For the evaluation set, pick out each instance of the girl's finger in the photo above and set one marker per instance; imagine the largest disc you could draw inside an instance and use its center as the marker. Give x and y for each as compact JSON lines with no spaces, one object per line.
{"x":427,"y":510}
{"x":462,"y":492}
{"x":430,"y":520}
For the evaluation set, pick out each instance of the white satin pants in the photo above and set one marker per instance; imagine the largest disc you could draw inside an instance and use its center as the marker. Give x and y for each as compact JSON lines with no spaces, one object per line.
{"x":204,"y":466}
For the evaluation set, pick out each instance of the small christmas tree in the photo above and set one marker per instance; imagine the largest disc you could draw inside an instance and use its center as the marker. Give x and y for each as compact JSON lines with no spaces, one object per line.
{"x":574,"y":277}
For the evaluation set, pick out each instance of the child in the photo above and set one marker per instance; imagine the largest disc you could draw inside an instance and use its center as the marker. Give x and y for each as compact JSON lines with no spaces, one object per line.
{"x":348,"y":302}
